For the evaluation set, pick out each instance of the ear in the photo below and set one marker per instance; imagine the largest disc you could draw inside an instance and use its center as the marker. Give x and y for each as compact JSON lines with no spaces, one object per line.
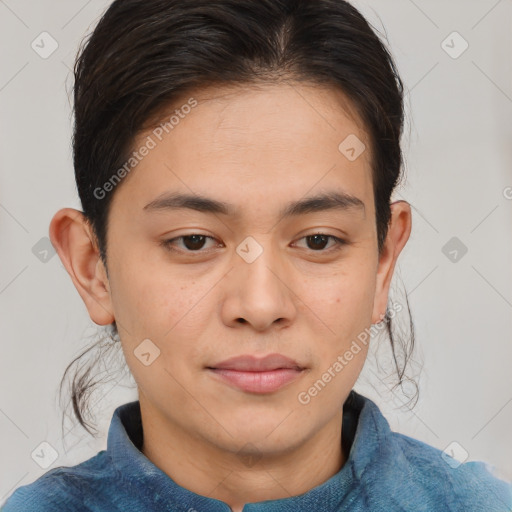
{"x":74,"y":240}
{"x":398,"y":234}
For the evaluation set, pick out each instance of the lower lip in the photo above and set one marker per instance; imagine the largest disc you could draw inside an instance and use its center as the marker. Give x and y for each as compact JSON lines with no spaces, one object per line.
{"x":258,"y":382}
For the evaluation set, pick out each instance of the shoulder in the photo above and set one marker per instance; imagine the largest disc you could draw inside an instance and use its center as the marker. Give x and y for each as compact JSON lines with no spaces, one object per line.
{"x":470,"y":486}
{"x":410,"y":475}
{"x":62,"y":488}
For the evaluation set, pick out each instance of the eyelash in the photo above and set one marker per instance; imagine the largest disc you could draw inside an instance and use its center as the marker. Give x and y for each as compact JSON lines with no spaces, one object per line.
{"x":168,"y":243}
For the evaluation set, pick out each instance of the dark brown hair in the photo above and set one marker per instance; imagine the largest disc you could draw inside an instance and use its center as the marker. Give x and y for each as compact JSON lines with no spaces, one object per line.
{"x":143,"y":54}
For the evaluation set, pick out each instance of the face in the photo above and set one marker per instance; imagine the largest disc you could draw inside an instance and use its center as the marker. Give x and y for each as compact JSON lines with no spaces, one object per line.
{"x":256,"y":268}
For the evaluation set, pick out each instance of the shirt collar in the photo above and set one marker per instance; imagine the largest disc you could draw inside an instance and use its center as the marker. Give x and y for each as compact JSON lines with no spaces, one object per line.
{"x":364,"y":430}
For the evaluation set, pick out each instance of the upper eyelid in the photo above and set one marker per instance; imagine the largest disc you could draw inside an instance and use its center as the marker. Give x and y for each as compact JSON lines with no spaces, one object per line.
{"x":338,"y":240}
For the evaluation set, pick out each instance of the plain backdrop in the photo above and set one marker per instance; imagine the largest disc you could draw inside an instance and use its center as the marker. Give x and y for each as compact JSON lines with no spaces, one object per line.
{"x":456,"y":267}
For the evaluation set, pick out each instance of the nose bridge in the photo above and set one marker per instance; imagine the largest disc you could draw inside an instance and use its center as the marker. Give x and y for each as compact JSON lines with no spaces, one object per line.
{"x":259,"y":282}
{"x":258,"y":264}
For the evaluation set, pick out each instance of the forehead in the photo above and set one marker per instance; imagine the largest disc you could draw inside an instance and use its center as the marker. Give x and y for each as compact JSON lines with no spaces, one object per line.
{"x":288,"y":137}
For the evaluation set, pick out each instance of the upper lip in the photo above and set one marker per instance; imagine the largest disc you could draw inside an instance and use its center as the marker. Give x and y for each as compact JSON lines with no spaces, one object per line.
{"x":249,"y":363}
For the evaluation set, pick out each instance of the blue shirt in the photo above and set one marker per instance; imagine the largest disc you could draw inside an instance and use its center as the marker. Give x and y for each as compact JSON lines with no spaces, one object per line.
{"x":385,"y":471}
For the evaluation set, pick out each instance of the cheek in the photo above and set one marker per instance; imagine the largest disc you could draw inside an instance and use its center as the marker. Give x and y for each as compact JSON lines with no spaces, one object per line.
{"x":343,"y":302}
{"x":149,"y":297}
{"x":172,"y":316}
{"x":345,"y":306}
{"x":170,"y":310}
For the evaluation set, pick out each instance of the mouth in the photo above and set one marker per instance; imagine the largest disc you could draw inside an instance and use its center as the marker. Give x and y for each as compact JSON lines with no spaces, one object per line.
{"x":257,"y":375}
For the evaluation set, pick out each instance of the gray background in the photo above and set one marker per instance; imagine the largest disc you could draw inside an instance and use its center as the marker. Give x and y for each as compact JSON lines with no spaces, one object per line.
{"x":459,"y":183}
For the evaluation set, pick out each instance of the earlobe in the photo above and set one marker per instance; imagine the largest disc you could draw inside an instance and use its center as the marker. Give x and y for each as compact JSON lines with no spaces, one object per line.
{"x":398,"y":234}
{"x":73,"y":239}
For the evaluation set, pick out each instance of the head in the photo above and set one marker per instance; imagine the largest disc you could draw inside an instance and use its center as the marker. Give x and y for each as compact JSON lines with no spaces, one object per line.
{"x":235,"y":162}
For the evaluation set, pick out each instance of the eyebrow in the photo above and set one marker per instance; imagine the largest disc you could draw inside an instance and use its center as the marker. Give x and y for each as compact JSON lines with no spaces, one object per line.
{"x":322,"y":202}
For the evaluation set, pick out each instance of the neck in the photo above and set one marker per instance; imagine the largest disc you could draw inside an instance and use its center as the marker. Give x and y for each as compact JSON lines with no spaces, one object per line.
{"x":241,"y":477}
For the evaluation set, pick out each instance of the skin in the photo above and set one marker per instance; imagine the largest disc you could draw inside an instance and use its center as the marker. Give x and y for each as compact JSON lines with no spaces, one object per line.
{"x":257,"y":148}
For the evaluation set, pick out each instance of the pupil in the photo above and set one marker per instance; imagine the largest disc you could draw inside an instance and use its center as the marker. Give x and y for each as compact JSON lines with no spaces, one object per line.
{"x":197,"y":241}
{"x":316,"y":238}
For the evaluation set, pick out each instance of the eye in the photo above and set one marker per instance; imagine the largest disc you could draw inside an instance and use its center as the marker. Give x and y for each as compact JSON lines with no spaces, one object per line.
{"x":191,"y":243}
{"x":195,"y":242}
{"x":318,"y":241}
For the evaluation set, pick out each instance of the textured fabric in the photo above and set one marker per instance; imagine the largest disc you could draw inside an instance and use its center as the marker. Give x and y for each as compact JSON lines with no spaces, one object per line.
{"x":385,"y":471}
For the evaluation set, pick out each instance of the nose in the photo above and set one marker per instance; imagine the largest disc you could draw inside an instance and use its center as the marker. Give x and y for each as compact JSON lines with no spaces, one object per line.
{"x":260,"y":293}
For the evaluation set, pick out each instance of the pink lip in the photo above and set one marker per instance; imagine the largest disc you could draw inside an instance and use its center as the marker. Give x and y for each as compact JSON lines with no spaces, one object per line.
{"x":258,"y":375}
